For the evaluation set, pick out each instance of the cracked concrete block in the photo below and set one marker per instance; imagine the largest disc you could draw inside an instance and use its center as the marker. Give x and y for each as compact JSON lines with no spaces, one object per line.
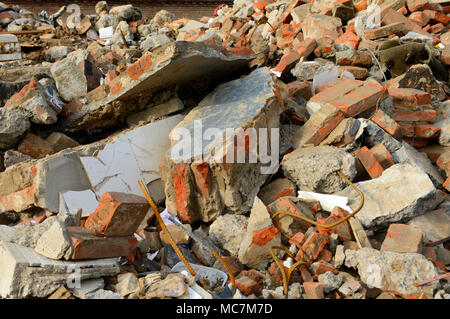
{"x":202,"y":182}
{"x":228,"y":231}
{"x":38,"y":182}
{"x":13,"y":124}
{"x":408,"y":154}
{"x":414,"y":193}
{"x":176,"y":63}
{"x":25,"y":273}
{"x":55,"y":243}
{"x":315,"y":168}
{"x":76,"y":75}
{"x":393,"y":271}
{"x":260,"y":235}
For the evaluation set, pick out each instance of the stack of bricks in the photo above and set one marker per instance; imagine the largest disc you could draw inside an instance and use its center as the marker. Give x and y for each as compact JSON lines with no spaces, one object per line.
{"x":415,"y":114}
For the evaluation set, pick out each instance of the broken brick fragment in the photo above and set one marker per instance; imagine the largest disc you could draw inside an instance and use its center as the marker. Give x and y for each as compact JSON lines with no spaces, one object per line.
{"x":117,"y":214}
{"x":402,"y":238}
{"x":370,"y":163}
{"x":313,"y":290}
{"x":88,"y":246}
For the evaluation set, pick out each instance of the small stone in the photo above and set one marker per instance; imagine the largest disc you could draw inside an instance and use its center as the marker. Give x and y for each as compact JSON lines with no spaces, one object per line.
{"x":330,"y":281}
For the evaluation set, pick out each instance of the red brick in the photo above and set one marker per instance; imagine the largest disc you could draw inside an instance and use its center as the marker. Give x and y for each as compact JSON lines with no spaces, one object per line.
{"x":88,"y":246}
{"x":403,"y":10}
{"x":368,"y":44}
{"x":299,"y":88}
{"x":35,"y":146}
{"x":417,"y":5}
{"x":387,"y":123}
{"x":426,"y":131}
{"x":361,"y":5}
{"x":369,"y":162}
{"x":325,"y":256}
{"x":358,"y":72}
{"x":409,"y":97}
{"x":437,"y":28}
{"x":438,"y":17}
{"x":445,"y":55}
{"x":313,"y":246}
{"x":333,"y":90}
{"x":117,"y":214}
{"x":350,"y":39}
{"x":402,"y":238}
{"x":391,"y":16}
{"x":446,"y":184}
{"x":323,"y":268}
{"x":419,"y":17}
{"x":287,"y":62}
{"x":298,"y":239}
{"x":343,"y":230}
{"x":313,"y":290}
{"x":319,"y":126}
{"x":444,"y":162}
{"x":356,"y":58}
{"x":384,"y":31}
{"x":382,"y":156}
{"x":414,"y":116}
{"x":250,"y":282}
{"x":305,"y":274}
{"x":288,"y":204}
{"x":359,"y":100}
{"x":416,"y":142}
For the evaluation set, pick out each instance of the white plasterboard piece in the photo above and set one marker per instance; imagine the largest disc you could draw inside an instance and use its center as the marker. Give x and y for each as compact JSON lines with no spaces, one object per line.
{"x":106,"y":33}
{"x":130,"y":157}
{"x":327,"y":202}
{"x":70,"y":200}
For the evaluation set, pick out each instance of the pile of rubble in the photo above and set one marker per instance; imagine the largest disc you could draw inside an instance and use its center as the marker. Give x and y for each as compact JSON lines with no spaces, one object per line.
{"x":348,"y":193}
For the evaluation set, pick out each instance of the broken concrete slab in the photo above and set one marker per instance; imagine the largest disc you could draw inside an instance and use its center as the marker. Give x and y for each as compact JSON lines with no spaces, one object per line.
{"x":76,"y":75}
{"x":129,"y":157}
{"x":32,"y":180}
{"x":408,"y":154}
{"x":26,"y":273}
{"x":260,"y":235}
{"x":414,"y":195}
{"x":156,"y":112}
{"x":55,"y":243}
{"x":176,"y":63}
{"x":13,"y":124}
{"x":434,"y":224}
{"x":228,"y":231}
{"x":315,"y":168}
{"x":393,"y":271}
{"x":225,"y":181}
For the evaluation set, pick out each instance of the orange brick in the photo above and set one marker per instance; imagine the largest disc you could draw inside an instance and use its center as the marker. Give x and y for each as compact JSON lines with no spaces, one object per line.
{"x":359,"y":100}
{"x":369,"y":162}
{"x":402,"y":238}
{"x":387,"y":123}
{"x":313,"y":246}
{"x":446,"y":184}
{"x":313,"y":290}
{"x":343,"y":230}
{"x":409,"y":97}
{"x":414,"y":116}
{"x":416,"y":142}
{"x":117,"y":214}
{"x":350,"y":39}
{"x":382,"y":155}
{"x":416,"y":5}
{"x":88,"y":246}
